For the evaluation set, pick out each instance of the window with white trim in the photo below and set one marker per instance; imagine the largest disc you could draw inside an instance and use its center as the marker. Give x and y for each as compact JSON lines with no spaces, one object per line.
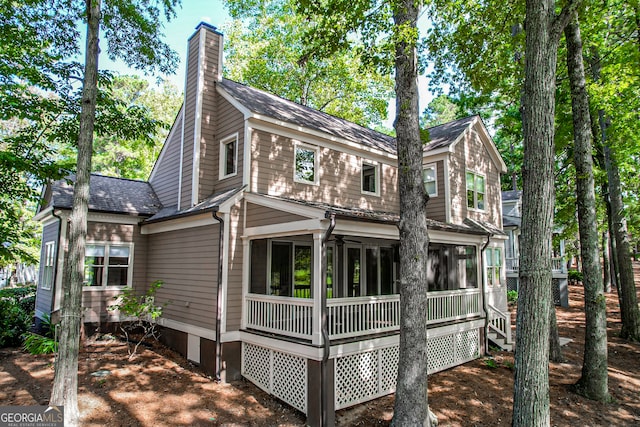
{"x":430,"y":180}
{"x":494,"y":266}
{"x":229,"y":156}
{"x":370,"y":178}
{"x":107,"y":264}
{"x":475,"y":191}
{"x":48,"y":265}
{"x":305,"y":164}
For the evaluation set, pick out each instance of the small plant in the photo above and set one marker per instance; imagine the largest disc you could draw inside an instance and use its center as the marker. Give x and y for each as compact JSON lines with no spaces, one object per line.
{"x":141,"y":314}
{"x":512,"y":296}
{"x":42,"y":344}
{"x":490,"y":362}
{"x":575,"y":276}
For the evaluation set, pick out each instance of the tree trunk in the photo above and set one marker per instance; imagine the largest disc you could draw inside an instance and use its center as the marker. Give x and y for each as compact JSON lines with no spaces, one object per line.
{"x":531,"y":385}
{"x":606,"y":261}
{"x":555,"y":350}
{"x":629,"y":310}
{"x":594,"y":380}
{"x":65,"y":383}
{"x":411,"y":407}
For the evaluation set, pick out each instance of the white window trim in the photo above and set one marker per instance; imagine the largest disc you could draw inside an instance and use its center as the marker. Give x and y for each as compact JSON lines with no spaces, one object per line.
{"x":107,"y":248}
{"x":222,"y":156}
{"x":316,"y":169}
{"x":49,"y":261}
{"x":475,"y":208}
{"x":376,"y":167}
{"x":435,"y":174}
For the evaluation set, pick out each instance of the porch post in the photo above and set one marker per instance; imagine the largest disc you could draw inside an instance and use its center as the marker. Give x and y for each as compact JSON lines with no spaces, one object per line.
{"x":246,"y":265}
{"x":316,"y":332}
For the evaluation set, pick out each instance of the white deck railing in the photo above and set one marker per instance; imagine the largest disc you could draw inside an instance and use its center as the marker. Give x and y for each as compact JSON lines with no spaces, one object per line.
{"x":281,"y":315}
{"x":353,"y":317}
{"x":557,"y":265}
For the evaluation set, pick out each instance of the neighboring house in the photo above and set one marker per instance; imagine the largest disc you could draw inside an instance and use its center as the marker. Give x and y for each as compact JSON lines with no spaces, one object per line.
{"x":274,"y":229}
{"x":512,"y":223}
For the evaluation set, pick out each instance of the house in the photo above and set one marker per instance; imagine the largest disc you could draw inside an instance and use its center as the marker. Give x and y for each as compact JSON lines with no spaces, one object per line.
{"x":274,"y":229}
{"x":512,"y":223}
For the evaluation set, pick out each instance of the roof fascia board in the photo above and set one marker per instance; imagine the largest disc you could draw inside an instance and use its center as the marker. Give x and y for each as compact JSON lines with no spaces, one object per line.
{"x":114,"y":218}
{"x":440,"y":151}
{"x":40,"y":216}
{"x":367,"y":229}
{"x":164,"y":146}
{"x":181,"y":223}
{"x":292,"y":228}
{"x":440,"y":236}
{"x":225,"y":207}
{"x":282,"y":205}
{"x":321,"y":139}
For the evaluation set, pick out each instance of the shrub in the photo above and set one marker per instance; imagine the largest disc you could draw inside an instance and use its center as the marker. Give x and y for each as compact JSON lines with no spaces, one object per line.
{"x":141,"y":314}
{"x":42,"y":344}
{"x":512,"y":296}
{"x":16,"y":314}
{"x":575,"y":276}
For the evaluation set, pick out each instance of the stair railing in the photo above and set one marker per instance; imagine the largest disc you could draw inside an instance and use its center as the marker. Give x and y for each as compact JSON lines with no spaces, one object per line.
{"x":500,"y":323}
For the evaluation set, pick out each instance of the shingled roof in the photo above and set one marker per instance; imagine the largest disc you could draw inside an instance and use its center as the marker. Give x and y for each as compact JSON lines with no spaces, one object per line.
{"x":446,"y":134}
{"x":275,"y":107}
{"x":110,"y":195}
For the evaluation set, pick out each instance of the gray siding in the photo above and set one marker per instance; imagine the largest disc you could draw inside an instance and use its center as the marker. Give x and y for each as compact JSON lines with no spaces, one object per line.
{"x":339,"y":176}
{"x":234,"y":277}
{"x":165,"y":178}
{"x":436,"y":208}
{"x":260,"y":215}
{"x":96,"y":301}
{"x":471,"y":154}
{"x":191,"y":89}
{"x":44,"y":297}
{"x":187,"y":262}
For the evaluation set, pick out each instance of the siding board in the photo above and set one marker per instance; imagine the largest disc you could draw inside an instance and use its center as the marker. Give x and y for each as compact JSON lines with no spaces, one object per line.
{"x":165,"y":179}
{"x":44,"y":297}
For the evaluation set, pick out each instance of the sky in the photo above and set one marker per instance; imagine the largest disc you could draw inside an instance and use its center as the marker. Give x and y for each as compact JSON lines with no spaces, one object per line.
{"x":213,"y":12}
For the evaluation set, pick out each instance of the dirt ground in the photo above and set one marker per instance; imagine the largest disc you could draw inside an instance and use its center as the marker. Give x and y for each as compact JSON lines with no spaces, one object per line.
{"x":160,"y":388}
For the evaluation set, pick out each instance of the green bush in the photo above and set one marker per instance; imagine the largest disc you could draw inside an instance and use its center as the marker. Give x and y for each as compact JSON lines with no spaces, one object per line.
{"x":41,"y":344}
{"x":16,"y":314}
{"x":575,"y":276}
{"x":512,"y":296}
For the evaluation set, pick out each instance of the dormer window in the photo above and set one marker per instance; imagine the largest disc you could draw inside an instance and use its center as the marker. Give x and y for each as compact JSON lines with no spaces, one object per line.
{"x":229,"y":156}
{"x":306,"y":164}
{"x":475,"y":191}
{"x":370,"y":178}
{"x":429,"y":178}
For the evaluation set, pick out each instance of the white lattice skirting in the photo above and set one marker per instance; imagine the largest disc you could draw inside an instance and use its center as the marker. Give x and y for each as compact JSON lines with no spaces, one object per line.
{"x":279,"y":374}
{"x":365,"y":376}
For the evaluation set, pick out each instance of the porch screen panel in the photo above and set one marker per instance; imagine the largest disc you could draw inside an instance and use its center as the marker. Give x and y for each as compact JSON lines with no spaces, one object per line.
{"x":302,"y":272}
{"x":353,"y":272}
{"x":330,"y":276}
{"x":371,"y":263}
{"x":258,"y":283}
{"x":386,"y":271}
{"x":280,"y":269}
{"x":466,"y":267}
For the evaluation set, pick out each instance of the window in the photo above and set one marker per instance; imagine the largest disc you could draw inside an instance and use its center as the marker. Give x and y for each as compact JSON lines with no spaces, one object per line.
{"x":290,"y":270}
{"x":429,"y":179}
{"x":306,"y":164}
{"x":107,"y":265}
{"x":451,"y":267}
{"x":48,"y":265}
{"x":494,"y":266}
{"x":475,"y":191}
{"x":228,"y":156}
{"x":370,"y":180}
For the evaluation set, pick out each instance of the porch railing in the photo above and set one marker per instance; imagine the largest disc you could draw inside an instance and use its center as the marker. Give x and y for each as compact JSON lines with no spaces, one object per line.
{"x":353,"y":317}
{"x":557,"y":265}
{"x":280,"y":315}
{"x":500,"y":323}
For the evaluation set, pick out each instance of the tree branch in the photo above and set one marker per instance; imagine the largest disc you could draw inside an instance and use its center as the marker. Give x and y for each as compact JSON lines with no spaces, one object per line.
{"x":561,"y":21}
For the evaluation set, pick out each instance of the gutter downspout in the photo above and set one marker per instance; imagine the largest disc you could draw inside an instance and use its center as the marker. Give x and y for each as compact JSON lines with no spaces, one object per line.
{"x":324,"y":416}
{"x":218,"y":361}
{"x":484,"y":296}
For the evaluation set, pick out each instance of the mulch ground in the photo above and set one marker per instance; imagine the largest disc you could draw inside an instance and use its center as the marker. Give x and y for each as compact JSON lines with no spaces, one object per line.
{"x":160,"y":388}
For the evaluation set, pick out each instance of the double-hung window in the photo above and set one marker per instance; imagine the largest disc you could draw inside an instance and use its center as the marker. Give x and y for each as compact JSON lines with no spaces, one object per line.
{"x":475,"y":191}
{"x":229,"y":156}
{"x":305,"y":164}
{"x":494,"y":266}
{"x":107,"y":264}
{"x":370,"y":178}
{"x":429,"y":178}
{"x":48,"y":265}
